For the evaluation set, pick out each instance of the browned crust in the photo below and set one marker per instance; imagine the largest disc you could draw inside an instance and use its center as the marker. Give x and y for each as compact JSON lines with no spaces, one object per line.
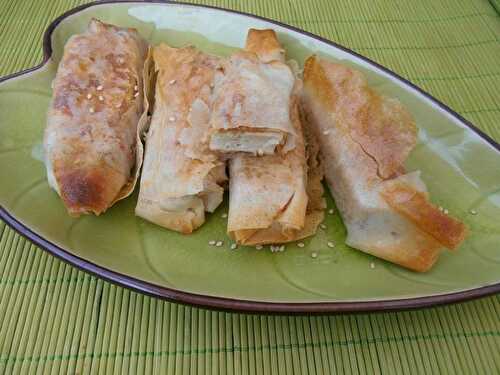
{"x":415,"y":206}
{"x":85,"y":190}
{"x":382,"y":127}
{"x":265,"y":44}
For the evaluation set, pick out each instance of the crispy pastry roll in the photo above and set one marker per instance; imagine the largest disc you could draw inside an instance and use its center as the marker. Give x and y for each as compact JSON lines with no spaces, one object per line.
{"x":364,"y":139}
{"x":268,"y":195}
{"x":92,"y":125}
{"x":181,"y":177}
{"x":253,"y":100}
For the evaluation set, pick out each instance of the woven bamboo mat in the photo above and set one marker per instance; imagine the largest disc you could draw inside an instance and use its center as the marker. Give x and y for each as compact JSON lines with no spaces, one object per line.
{"x":56,"y":319}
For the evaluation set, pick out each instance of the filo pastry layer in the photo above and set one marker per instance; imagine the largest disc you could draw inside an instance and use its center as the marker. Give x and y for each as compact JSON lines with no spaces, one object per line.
{"x":364,"y":140}
{"x":268,"y":195}
{"x":181,"y":177}
{"x":91,"y":136}
{"x":253,"y":100}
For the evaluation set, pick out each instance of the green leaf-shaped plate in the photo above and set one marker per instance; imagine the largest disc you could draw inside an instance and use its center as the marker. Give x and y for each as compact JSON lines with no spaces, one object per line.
{"x":460,"y":165}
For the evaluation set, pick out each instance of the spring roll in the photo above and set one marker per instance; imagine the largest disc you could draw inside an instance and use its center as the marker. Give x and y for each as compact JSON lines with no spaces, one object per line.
{"x":253,"y":100}
{"x":364,"y":140}
{"x":92,"y":125}
{"x":268,"y":195}
{"x":181,"y":177}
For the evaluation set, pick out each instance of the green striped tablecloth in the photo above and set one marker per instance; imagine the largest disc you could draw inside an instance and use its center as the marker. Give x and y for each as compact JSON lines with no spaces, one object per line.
{"x":56,"y":319}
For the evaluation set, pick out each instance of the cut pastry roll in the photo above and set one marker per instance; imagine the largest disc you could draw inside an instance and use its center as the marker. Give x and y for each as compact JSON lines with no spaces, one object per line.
{"x":268,"y":195}
{"x":181,"y":178}
{"x":253,"y":100}
{"x":91,"y":139}
{"x":364,"y":139}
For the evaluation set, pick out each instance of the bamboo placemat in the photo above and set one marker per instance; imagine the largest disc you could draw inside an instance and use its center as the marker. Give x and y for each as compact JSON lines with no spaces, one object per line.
{"x":56,"y":319}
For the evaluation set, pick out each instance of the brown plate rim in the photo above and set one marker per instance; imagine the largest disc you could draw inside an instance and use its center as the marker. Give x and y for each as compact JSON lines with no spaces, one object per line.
{"x":229,"y":304}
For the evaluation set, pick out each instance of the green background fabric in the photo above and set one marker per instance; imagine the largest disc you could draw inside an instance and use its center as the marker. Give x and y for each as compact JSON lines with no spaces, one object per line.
{"x":56,"y":319}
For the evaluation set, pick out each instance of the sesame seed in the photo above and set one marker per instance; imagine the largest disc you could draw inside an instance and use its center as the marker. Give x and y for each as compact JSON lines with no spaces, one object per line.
{"x":99,"y":88}
{"x":326,"y":132}
{"x":120,"y":60}
{"x":330,"y":244}
{"x":136,"y":87}
{"x":91,"y":110}
{"x":233,"y":246}
{"x":372,"y":265}
{"x":282,"y":248}
{"x":330,"y":211}
{"x":171,"y":118}
{"x":259,"y":247}
{"x":172,"y":82}
{"x":440,"y":208}
{"x":272,"y":248}
{"x":118,"y":105}
{"x":136,"y":94}
{"x":211,"y":243}
{"x":301,"y":244}
{"x":473,"y":212}
{"x":314,"y":255}
{"x":219,"y":243}
{"x":322,"y":226}
{"x":445,"y":211}
{"x":89,"y":96}
{"x":101,"y":98}
{"x":224,"y":215}
{"x":260,"y":152}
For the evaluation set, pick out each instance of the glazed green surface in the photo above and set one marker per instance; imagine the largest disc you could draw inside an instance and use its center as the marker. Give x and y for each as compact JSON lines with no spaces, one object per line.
{"x":461,"y":171}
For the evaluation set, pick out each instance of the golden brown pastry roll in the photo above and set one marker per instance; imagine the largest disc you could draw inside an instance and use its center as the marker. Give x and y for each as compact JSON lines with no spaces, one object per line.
{"x":181,"y":177}
{"x":253,"y":100}
{"x":92,"y":126}
{"x":268,"y":195}
{"x":364,"y":140}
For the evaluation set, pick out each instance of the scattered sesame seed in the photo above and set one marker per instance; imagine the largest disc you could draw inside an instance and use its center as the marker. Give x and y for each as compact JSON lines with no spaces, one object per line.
{"x":272,"y":248}
{"x":322,"y":226}
{"x":118,"y":105}
{"x":330,"y":244}
{"x":372,"y":265}
{"x":282,"y":248}
{"x":91,"y":110}
{"x":120,"y":60}
{"x":171,"y":118}
{"x":260,"y":152}
{"x":259,"y":247}
{"x":445,"y":211}
{"x":473,"y":212}
{"x":211,"y":243}
{"x":172,"y":82}
{"x":136,"y":87}
{"x":440,"y":208}
{"x":330,"y":211}
{"x":326,"y":132}
{"x":301,"y":244}
{"x":136,"y":94}
{"x":101,"y":98}
{"x":314,"y":255}
{"x":224,"y":215}
{"x":99,"y":88}
{"x":89,"y":96}
{"x":219,"y":243}
{"x":233,"y":246}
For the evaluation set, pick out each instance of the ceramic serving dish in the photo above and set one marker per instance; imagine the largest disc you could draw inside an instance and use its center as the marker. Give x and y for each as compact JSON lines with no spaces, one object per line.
{"x":460,"y":165}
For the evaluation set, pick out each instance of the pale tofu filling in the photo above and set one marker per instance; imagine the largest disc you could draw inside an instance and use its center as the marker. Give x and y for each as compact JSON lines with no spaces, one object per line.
{"x":258,"y":143}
